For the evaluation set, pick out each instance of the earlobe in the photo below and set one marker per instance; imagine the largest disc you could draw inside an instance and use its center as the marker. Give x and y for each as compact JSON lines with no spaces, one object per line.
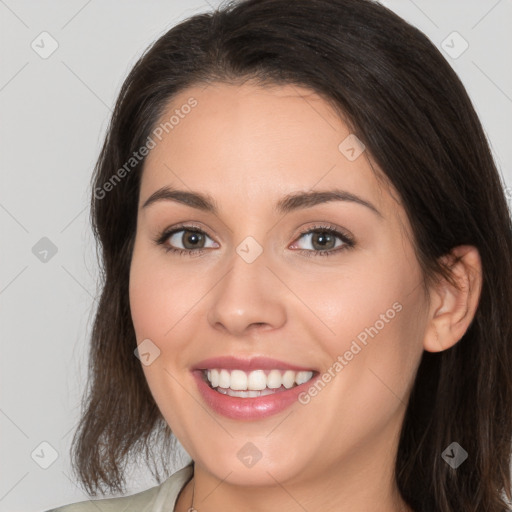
{"x":453,"y":308}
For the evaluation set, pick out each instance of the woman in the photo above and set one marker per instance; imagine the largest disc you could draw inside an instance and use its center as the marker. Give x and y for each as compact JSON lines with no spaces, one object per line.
{"x":246,"y":146}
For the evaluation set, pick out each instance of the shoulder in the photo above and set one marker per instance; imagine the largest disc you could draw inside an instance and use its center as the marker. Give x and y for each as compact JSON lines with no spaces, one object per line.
{"x":121,"y":504}
{"x":150,"y":500}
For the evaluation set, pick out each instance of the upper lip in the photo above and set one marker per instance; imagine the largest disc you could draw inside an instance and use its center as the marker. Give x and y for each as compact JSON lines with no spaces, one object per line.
{"x":253,"y":363}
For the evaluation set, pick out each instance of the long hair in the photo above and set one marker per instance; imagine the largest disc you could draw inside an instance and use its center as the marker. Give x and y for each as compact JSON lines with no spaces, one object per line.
{"x":401,"y":98}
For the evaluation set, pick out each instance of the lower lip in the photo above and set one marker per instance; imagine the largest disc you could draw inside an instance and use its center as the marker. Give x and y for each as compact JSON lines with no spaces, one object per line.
{"x":248,"y":408}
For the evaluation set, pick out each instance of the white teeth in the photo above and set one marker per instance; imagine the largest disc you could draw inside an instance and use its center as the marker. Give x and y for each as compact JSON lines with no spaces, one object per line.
{"x":274,"y":379}
{"x":254,"y":383}
{"x":238,"y":380}
{"x":302,"y":377}
{"x":288,"y":379}
{"x":214,"y":378}
{"x":257,"y":380}
{"x":245,"y":394}
{"x":224,"y":379}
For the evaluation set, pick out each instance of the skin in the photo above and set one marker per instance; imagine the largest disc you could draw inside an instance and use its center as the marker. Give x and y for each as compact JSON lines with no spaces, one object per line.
{"x":247,"y":147}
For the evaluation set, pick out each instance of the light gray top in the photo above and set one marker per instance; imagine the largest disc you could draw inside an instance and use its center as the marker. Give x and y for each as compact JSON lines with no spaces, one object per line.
{"x":161,"y":498}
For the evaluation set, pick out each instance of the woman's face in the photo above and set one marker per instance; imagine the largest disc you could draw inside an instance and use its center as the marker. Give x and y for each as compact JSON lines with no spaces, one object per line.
{"x":263,"y":279}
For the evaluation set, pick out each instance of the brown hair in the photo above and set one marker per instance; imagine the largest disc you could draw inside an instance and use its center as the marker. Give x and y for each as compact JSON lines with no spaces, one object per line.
{"x":407,"y":105}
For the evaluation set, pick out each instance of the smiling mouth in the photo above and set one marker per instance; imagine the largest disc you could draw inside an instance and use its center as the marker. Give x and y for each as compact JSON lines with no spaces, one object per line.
{"x":242,"y":384}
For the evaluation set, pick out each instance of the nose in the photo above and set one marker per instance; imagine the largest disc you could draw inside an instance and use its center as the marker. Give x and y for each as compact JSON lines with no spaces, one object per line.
{"x":248,"y":297}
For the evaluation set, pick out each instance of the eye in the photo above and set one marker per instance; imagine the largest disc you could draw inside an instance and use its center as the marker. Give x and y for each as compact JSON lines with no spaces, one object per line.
{"x":191,"y":238}
{"x":325,"y":241}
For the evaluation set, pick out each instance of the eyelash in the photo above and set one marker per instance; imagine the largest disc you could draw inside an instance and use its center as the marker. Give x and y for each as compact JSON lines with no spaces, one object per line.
{"x":347,"y":240}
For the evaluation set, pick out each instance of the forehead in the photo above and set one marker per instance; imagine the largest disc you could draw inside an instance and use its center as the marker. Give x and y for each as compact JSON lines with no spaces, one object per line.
{"x":262,"y":142}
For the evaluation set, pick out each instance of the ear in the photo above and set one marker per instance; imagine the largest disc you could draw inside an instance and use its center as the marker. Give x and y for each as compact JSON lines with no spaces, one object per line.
{"x":451,"y":309}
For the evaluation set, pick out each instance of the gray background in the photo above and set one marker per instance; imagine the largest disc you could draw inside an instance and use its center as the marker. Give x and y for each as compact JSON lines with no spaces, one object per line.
{"x":54,"y":112}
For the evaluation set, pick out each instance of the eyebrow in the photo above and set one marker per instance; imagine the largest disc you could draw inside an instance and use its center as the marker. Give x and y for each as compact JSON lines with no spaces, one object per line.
{"x":289,"y":203}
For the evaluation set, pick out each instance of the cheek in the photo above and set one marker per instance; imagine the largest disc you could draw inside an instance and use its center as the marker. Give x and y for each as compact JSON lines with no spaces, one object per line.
{"x":377,"y":303}
{"x":375,"y":323}
{"x":350,"y":303}
{"x":162,"y":303}
{"x":160,"y":296}
{"x":370,"y":367}
{"x":159,"y":303}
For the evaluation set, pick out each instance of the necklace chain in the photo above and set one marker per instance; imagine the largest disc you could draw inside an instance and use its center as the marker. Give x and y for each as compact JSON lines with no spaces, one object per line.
{"x":192,"y":509}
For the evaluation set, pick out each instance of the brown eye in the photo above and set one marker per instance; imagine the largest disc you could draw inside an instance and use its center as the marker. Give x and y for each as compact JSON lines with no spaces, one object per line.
{"x":185,"y":240}
{"x":191,"y":239}
{"x":325,"y":241}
